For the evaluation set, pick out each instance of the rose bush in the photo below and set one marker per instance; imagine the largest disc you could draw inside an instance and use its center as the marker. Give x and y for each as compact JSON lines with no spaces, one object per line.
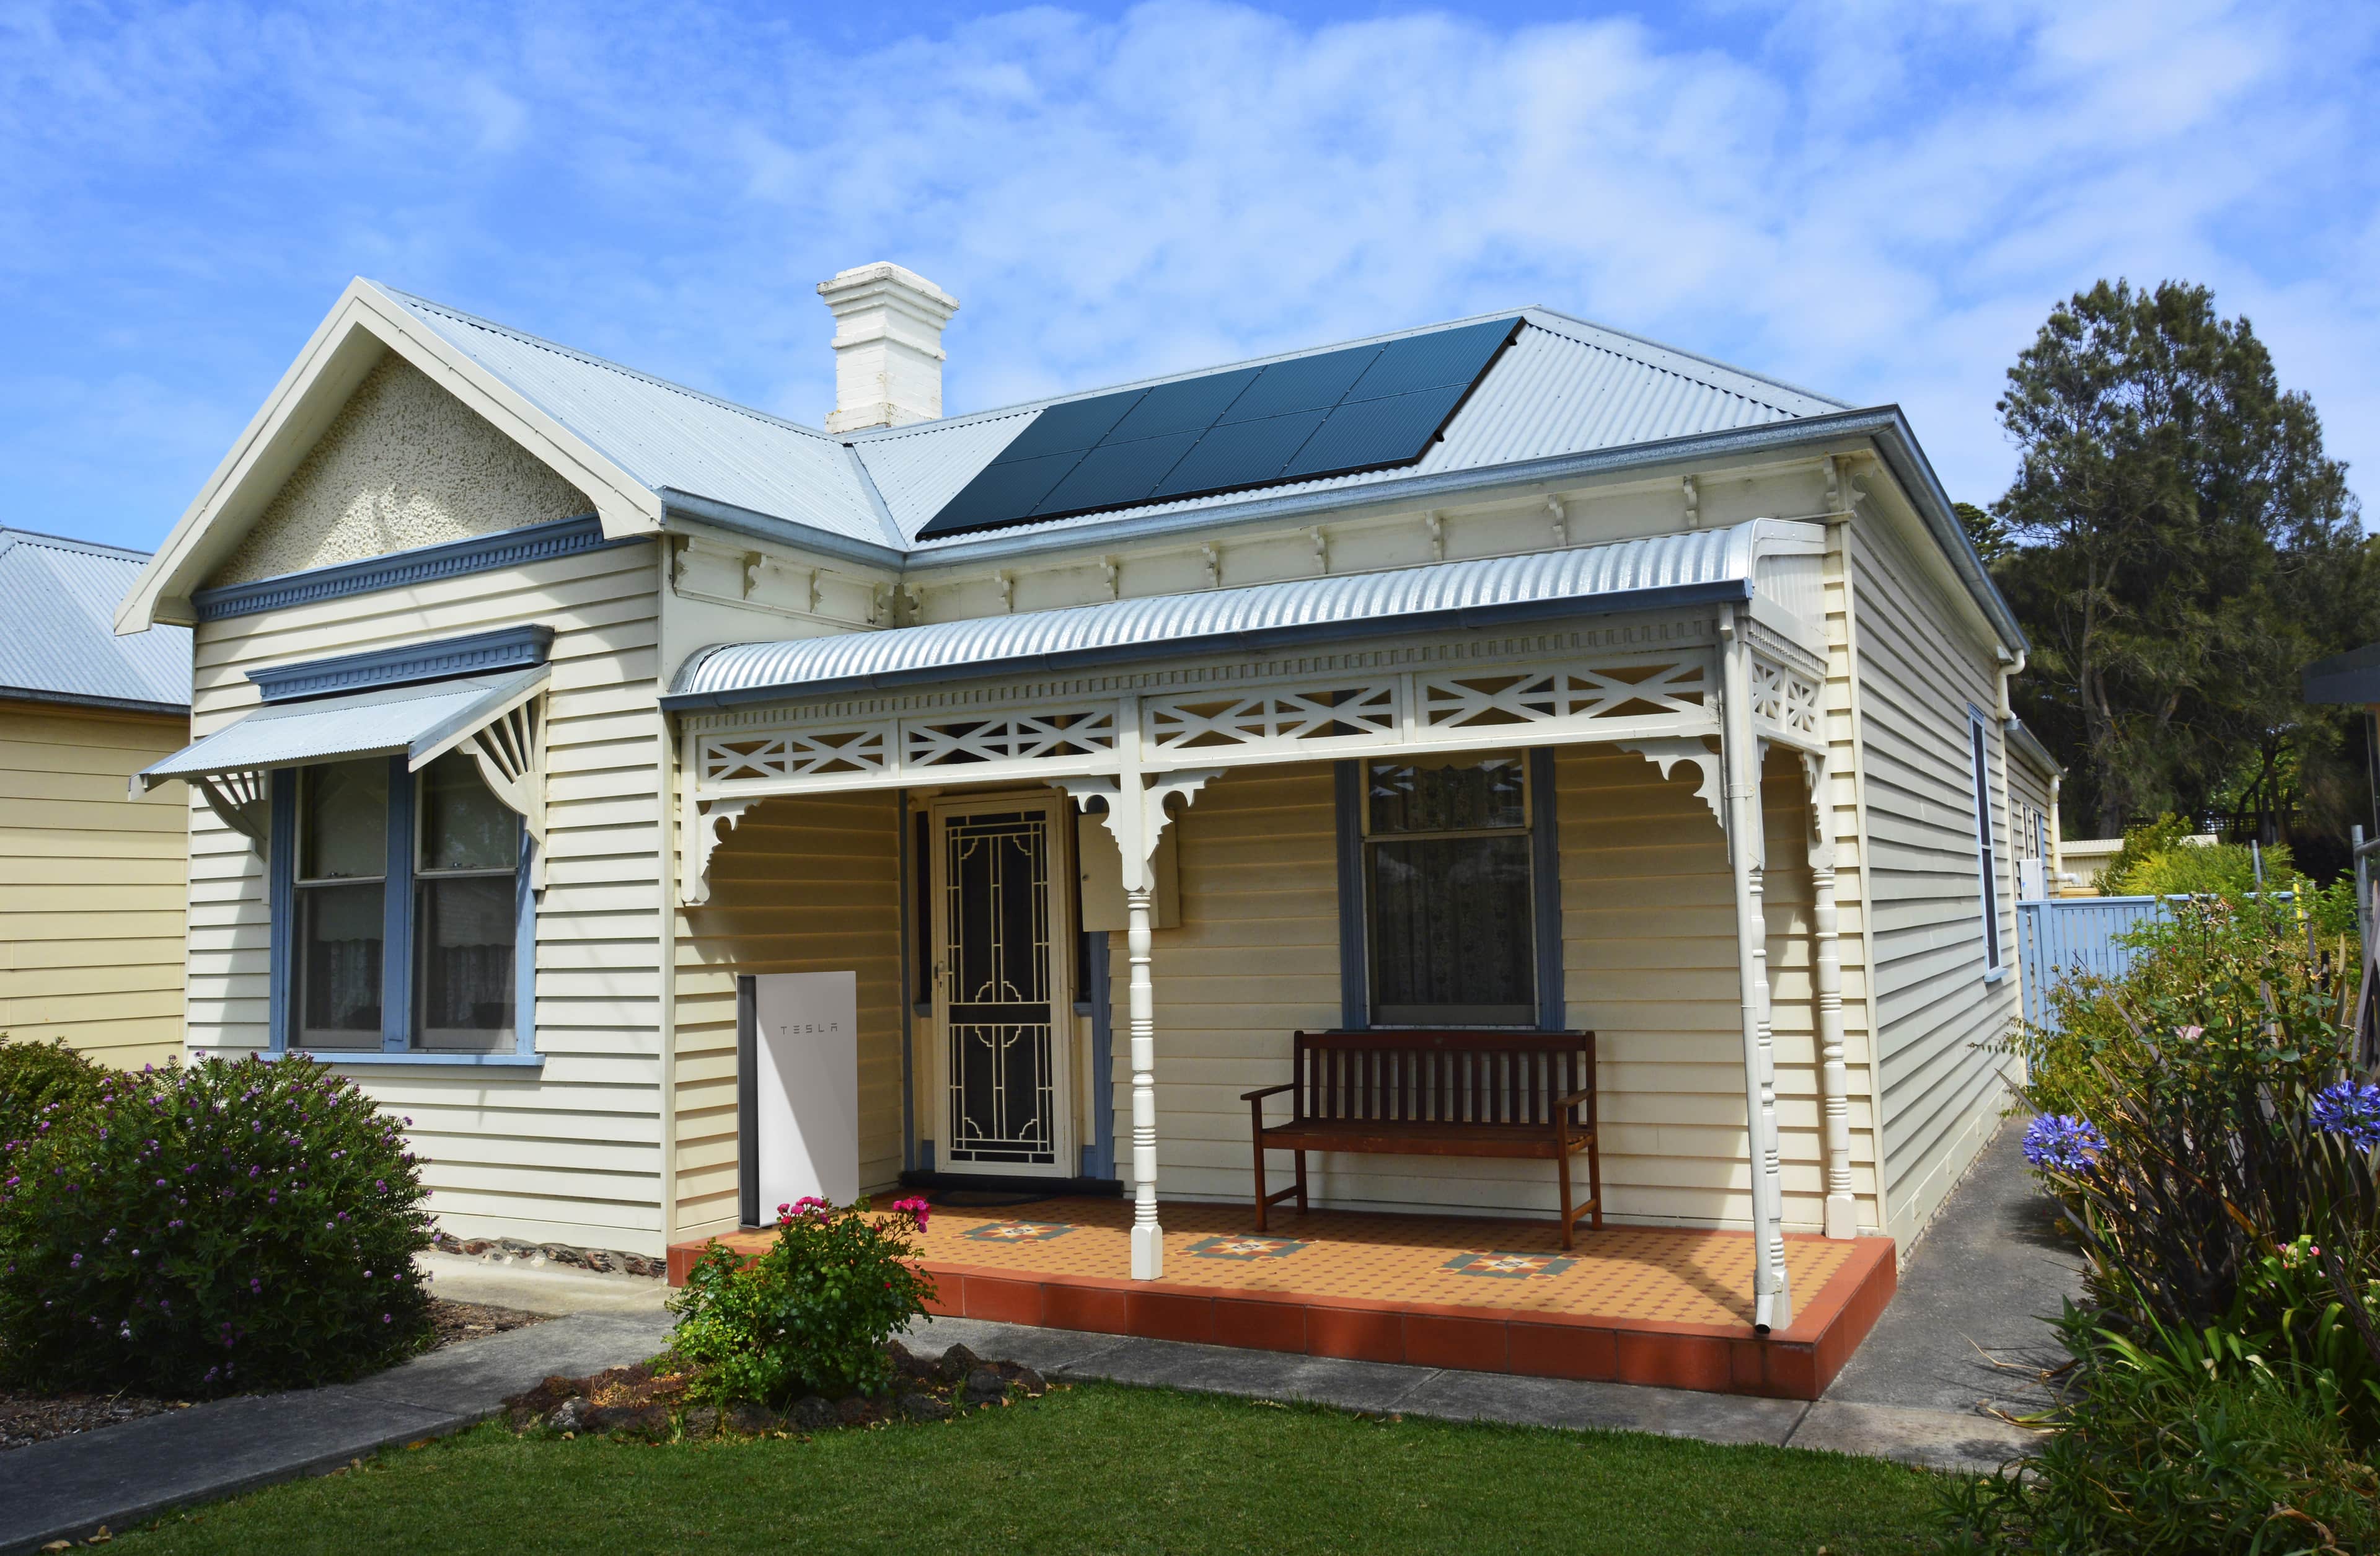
{"x":230,"y":1226}
{"x":811,"y":1315}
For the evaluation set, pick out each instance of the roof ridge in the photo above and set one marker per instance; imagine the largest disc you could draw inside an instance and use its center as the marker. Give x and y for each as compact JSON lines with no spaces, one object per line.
{"x":9,"y":532}
{"x":1665,"y":349}
{"x":738,"y":407}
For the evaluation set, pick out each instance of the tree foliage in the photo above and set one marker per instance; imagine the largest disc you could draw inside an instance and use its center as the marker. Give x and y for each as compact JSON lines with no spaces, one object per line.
{"x":2183,"y":545}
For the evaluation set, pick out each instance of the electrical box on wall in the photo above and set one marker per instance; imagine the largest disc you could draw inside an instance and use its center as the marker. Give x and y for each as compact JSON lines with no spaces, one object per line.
{"x":1102,"y":867}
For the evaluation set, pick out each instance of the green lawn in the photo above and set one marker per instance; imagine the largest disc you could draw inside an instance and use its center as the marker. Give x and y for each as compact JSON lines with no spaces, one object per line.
{"x":1095,"y":1468}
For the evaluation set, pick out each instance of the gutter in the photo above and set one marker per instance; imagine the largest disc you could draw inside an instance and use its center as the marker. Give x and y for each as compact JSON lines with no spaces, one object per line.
{"x":782,"y":531}
{"x":1251,"y":639}
{"x":77,"y":699}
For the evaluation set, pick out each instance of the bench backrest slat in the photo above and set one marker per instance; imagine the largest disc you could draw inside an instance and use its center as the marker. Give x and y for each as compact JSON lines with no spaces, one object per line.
{"x":1509,"y":1078}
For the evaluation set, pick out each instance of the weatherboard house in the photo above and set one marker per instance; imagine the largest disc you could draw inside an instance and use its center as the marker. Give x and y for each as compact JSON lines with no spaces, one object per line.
{"x":1509,"y":695}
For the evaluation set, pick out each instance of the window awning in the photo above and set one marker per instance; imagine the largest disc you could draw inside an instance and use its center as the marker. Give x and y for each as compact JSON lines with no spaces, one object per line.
{"x":424,"y":722}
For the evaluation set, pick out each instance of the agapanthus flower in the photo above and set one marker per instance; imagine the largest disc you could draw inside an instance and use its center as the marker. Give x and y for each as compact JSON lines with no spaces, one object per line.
{"x":2350,"y":1110}
{"x":2063,"y":1143}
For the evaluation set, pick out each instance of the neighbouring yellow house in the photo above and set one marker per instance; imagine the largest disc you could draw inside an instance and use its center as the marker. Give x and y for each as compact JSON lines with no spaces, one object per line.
{"x":92,"y":881}
{"x":1509,"y":674}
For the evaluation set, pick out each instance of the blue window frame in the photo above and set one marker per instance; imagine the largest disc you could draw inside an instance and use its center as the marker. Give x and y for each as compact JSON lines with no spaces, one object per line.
{"x":1450,"y":893}
{"x":403,"y":921}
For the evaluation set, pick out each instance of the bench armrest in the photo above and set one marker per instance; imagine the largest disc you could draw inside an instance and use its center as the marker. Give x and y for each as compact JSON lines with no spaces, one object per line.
{"x":1572,"y":1099}
{"x":1269,"y":1091}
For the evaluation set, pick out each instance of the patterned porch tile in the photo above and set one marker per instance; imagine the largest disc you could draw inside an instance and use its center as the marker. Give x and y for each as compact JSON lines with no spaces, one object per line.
{"x":1509,"y":1266}
{"x":1018,"y":1231}
{"x":1244,"y":1247}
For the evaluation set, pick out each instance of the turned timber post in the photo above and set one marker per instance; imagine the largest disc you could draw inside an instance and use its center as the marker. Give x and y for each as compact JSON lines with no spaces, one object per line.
{"x":1740,"y":751}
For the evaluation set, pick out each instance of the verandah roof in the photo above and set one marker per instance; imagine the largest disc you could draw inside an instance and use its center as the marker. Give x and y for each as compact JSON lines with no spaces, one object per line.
{"x":1661,"y":570}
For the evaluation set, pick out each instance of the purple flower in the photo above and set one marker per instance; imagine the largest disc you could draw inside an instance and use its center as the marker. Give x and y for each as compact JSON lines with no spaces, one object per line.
{"x":2063,"y":1143}
{"x":2350,"y":1110}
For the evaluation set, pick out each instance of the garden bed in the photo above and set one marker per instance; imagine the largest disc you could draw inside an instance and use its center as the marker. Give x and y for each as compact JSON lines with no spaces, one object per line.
{"x":653,"y":1403}
{"x":27,"y":1417}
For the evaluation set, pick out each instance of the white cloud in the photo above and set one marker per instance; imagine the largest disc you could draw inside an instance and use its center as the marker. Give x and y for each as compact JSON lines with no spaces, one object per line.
{"x":1879,"y":200}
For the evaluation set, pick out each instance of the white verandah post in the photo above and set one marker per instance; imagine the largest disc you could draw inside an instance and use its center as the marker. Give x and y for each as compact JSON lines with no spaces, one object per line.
{"x":1740,"y":751}
{"x":1826,"y":978}
{"x":1136,"y":814}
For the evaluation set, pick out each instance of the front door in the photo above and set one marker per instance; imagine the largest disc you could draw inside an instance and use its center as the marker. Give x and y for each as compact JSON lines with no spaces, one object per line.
{"x":1000,"y":985}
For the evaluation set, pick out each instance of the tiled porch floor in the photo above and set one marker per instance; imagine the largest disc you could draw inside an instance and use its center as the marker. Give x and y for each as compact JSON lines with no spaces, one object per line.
{"x":1637,"y":1303}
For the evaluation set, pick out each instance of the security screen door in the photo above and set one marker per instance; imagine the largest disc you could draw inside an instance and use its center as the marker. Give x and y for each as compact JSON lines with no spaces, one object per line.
{"x":999,"y":984}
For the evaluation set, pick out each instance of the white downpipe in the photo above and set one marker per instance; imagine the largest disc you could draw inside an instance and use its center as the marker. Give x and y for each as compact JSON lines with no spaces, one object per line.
{"x":1771,"y":1285}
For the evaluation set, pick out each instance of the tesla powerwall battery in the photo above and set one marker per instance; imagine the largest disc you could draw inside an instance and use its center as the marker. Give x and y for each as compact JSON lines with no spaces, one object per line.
{"x":807,"y":1097}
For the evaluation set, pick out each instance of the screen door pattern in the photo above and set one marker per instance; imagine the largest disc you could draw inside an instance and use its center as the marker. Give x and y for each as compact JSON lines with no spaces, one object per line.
{"x":996,"y":957}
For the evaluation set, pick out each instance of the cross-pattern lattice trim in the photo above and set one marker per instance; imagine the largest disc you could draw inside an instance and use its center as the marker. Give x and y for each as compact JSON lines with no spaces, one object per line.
{"x":1274,"y":718}
{"x":809,"y":753}
{"x":1529,"y":695}
{"x":1007,"y":737}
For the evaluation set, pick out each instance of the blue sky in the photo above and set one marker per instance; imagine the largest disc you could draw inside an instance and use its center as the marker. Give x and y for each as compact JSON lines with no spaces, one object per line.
{"x":1878,"y":199}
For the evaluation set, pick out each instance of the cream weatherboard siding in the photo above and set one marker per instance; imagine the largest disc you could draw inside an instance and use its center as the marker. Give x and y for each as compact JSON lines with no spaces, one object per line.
{"x":570,"y":1153}
{"x":1920,"y":672}
{"x":806,"y":884}
{"x":91,"y":883}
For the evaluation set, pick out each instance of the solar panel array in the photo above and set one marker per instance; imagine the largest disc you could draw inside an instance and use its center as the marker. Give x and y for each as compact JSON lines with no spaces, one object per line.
{"x":1366,"y":407}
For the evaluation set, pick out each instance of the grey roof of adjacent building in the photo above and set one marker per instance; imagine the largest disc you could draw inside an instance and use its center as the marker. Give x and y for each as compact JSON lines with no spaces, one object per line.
{"x":58,"y":629}
{"x":1687,"y":567}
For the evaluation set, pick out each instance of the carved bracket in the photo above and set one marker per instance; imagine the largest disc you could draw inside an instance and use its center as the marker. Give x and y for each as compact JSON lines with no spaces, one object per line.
{"x":704,"y":840}
{"x":1666,"y":752}
{"x":1822,"y":831}
{"x":510,"y":753}
{"x":1137,"y":828}
{"x":242,"y":801}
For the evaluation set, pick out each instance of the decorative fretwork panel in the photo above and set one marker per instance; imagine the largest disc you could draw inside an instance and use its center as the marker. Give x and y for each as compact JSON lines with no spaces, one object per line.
{"x":1008,"y":737}
{"x":810,"y":753}
{"x":1269,"y":718}
{"x":1489,"y":699}
{"x":1783,"y":699}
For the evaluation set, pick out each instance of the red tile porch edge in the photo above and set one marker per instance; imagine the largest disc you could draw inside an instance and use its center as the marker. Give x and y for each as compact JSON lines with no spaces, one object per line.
{"x":1794,"y":1363}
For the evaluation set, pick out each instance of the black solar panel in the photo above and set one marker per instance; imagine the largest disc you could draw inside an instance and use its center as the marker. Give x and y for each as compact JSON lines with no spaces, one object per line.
{"x":1367,"y":408}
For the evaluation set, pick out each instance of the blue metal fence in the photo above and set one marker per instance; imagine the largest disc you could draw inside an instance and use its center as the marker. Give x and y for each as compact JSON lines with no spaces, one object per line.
{"x":2059,"y":936}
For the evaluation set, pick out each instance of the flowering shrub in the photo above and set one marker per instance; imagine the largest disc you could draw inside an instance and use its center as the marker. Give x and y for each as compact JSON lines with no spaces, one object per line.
{"x":40,"y":1083}
{"x":224,"y":1227}
{"x":2347,"y":1110}
{"x":2061,"y":1142}
{"x":813,"y":1314}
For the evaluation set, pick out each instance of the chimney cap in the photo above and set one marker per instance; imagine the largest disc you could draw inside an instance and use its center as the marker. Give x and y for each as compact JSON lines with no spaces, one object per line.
{"x":855,"y":285}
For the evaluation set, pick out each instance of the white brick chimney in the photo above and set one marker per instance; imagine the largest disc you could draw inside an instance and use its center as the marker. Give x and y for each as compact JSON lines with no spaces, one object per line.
{"x":888,"y":347}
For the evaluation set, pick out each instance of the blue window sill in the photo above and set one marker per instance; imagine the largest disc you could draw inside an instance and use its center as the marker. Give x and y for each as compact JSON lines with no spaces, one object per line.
{"x":441,"y":1061}
{"x":1995,"y":974}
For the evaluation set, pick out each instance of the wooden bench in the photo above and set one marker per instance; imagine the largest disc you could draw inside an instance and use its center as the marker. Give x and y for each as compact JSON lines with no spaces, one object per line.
{"x":1421,"y":1093}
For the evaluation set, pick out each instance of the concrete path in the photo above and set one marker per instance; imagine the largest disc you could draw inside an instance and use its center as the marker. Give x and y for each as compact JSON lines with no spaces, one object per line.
{"x":69,"y":1487}
{"x":539,"y":1287}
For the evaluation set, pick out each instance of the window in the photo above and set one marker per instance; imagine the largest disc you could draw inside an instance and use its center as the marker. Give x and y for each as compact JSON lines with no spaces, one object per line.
{"x":406,"y":907}
{"x":1447,"y":862}
{"x":1986,"y":858}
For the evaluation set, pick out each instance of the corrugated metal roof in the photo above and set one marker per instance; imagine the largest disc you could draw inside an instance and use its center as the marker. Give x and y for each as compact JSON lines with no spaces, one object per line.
{"x":412,"y":719}
{"x":57,"y":631}
{"x":669,"y":436}
{"x":1565,"y":387}
{"x":1615,"y":576}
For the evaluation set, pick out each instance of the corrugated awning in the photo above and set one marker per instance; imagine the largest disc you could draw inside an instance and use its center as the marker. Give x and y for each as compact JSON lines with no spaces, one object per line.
{"x":1648,"y":574}
{"x":421,"y":721}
